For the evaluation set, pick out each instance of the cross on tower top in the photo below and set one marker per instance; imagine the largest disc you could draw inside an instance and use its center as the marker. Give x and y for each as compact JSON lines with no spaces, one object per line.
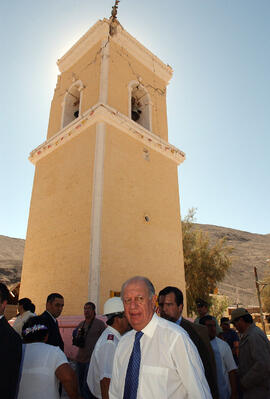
{"x":114,"y":10}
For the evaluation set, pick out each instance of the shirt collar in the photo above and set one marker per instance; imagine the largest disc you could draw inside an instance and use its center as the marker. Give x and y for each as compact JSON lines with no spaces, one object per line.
{"x":1,"y":316}
{"x":179,"y":320}
{"x":151,"y":326}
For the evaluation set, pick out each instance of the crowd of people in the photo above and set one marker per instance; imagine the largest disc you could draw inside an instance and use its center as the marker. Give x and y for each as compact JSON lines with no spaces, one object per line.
{"x":146,"y":350}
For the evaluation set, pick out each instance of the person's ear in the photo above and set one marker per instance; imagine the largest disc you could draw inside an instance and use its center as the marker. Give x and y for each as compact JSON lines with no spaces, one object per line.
{"x":3,"y":304}
{"x":154,"y":302}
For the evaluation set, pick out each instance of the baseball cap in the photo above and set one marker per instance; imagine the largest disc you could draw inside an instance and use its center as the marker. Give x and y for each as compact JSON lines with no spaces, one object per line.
{"x":237,"y":313}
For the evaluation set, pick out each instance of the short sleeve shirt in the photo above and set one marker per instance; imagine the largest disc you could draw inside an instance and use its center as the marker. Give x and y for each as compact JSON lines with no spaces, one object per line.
{"x":101,"y":363}
{"x":227,"y":361}
{"x":92,"y":335}
{"x":38,"y":378}
{"x":230,"y":337}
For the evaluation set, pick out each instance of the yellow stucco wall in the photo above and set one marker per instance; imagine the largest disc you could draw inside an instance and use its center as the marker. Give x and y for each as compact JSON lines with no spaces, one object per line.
{"x":86,"y":69}
{"x":134,"y":188}
{"x":124,"y":68}
{"x":56,"y":257}
{"x":57,"y":251}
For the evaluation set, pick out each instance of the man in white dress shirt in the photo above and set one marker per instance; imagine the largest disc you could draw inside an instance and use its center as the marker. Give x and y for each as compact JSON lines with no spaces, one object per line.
{"x":101,"y":363}
{"x":169,"y":366}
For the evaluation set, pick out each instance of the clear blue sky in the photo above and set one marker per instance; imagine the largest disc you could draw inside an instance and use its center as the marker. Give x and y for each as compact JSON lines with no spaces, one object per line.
{"x":218,"y":99}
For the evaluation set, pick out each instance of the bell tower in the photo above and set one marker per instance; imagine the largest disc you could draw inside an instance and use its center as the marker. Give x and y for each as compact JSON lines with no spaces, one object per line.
{"x":105,"y":200}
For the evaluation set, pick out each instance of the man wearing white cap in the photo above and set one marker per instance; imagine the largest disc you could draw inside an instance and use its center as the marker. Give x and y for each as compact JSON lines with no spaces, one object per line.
{"x":101,"y":364}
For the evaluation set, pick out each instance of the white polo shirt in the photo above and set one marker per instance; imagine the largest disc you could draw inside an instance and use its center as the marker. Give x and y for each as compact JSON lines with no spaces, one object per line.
{"x":101,"y":363}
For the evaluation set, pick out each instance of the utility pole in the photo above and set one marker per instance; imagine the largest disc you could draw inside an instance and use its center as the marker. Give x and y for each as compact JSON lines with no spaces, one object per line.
{"x":259,"y":296}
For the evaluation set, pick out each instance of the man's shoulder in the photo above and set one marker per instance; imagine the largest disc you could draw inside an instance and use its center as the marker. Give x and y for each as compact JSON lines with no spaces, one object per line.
{"x":49,"y":320}
{"x":3,"y":322}
{"x":232,"y":334}
{"x":198,"y":328}
{"x":254,"y":334}
{"x":9,"y":332}
{"x":170,"y":329}
{"x":108,"y":337}
{"x":80,"y":324}
{"x":45,"y":349}
{"x":99,"y":323}
{"x":255,"y":330}
{"x":223,"y":345}
{"x":186,"y":322}
{"x":45,"y":316}
{"x":126,"y":338}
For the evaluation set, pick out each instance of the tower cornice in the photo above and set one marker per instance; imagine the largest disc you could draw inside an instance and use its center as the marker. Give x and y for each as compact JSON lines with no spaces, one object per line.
{"x":104,"y":113}
{"x":101,"y":31}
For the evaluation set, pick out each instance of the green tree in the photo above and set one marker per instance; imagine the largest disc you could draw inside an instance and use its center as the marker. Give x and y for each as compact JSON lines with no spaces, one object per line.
{"x":205,"y":264}
{"x":219,"y":304}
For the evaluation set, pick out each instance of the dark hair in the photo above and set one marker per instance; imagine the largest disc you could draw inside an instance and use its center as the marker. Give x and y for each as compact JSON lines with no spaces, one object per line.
{"x":93,"y":306}
{"x":205,"y":318}
{"x":35,"y":330}
{"x":179,"y":299}
{"x":112,"y":317}
{"x":27,"y":304}
{"x":110,"y":321}
{"x":32,"y":308}
{"x":224,"y":320}
{"x":201,"y":302}
{"x":53,"y":296}
{"x":4,"y":293}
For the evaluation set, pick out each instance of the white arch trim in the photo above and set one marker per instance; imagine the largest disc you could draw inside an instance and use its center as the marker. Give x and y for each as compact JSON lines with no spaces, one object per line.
{"x":131,"y":86}
{"x":79,"y":86}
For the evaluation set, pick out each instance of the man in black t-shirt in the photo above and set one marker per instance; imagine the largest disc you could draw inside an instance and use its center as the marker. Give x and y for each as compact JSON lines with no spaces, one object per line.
{"x":230,"y":336}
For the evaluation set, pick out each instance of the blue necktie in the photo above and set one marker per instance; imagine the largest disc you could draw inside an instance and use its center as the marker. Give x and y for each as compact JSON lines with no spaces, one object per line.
{"x":132,"y":376}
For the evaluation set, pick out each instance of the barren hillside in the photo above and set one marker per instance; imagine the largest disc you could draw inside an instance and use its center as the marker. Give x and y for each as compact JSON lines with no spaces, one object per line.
{"x":249,"y":250}
{"x":11,"y":257}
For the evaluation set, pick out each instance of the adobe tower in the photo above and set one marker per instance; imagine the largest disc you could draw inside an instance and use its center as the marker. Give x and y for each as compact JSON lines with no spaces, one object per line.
{"x":105,"y":200}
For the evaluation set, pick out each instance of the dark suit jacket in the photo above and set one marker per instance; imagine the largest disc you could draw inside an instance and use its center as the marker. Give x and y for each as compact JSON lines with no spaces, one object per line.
{"x":10,"y":360}
{"x":199,"y":335}
{"x":54,"y":338}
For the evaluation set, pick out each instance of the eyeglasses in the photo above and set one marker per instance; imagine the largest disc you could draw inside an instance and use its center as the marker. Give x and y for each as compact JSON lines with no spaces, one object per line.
{"x":139,"y":300}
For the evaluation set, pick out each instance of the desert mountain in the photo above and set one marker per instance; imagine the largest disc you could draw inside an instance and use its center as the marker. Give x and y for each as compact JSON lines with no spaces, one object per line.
{"x":249,"y":250}
{"x":11,"y":257}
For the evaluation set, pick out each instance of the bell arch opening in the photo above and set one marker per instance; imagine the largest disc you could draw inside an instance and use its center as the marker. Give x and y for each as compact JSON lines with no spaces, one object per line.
{"x":139,"y":105}
{"x":72,"y":103}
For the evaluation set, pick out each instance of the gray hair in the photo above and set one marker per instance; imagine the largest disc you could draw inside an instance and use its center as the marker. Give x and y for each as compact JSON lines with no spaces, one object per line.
{"x":149,"y":285}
